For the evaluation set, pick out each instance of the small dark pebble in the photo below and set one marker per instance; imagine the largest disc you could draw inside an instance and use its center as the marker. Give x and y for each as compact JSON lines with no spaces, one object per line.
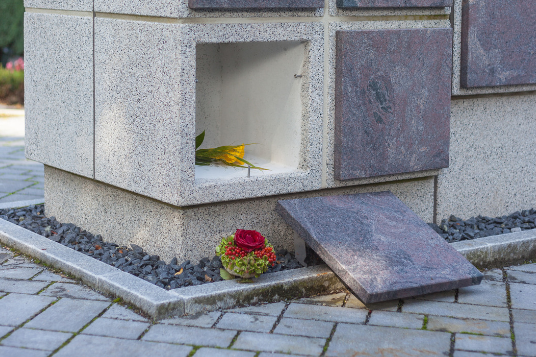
{"x":134,"y":259}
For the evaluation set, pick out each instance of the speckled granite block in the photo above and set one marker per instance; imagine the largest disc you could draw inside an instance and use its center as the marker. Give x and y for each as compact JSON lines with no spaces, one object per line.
{"x":392,"y":101}
{"x":392,"y":3}
{"x":189,"y":232}
{"x":498,"y":43}
{"x":378,"y":246}
{"x":145,"y":109}
{"x":59,"y":91}
{"x":73,"y":5}
{"x":254,"y":4}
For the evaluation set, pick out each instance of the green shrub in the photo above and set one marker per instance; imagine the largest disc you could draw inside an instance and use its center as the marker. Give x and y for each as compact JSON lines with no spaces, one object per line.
{"x":11,"y":86}
{"x":11,"y":28}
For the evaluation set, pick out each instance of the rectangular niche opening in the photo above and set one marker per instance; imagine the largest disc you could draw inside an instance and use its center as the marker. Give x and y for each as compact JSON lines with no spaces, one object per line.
{"x":248,"y":93}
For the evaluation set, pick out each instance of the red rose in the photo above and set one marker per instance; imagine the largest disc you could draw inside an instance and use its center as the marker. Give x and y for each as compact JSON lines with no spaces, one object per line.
{"x":249,"y":240}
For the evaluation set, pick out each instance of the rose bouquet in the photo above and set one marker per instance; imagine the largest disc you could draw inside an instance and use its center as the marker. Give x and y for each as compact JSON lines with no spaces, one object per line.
{"x":246,"y":254}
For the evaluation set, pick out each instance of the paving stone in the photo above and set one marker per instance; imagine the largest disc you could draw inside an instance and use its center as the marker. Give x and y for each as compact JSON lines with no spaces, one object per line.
{"x":531,"y":268}
{"x":325,"y":313}
{"x":356,"y":340}
{"x":325,"y":300}
{"x":516,"y":276}
{"x":308,"y":328}
{"x":447,"y":296}
{"x":91,"y":346}
{"x":19,"y":197}
{"x":522,"y":296}
{"x":449,"y":324}
{"x":116,"y":328}
{"x":4,"y":330}
{"x":32,"y":192}
{"x":21,"y":352}
{"x":525,"y":339}
{"x":395,"y":319}
{"x":21,"y":286}
{"x":211,"y":352}
{"x":14,"y":177}
{"x":493,"y":275}
{"x":120,"y":312}
{"x":279,"y":343}
{"x":404,"y":256}
{"x":484,"y":344}
{"x":489,"y":293}
{"x":9,"y":186}
{"x":5,"y":256}
{"x":19,"y":262}
{"x":19,"y":273}
{"x":456,"y":310}
{"x":244,"y":322}
{"x":73,"y":291}
{"x":266,"y":309}
{"x":526,"y":316}
{"x":36,"y":339}
{"x":68,"y":315}
{"x":49,"y":276}
{"x":470,"y":354}
{"x":190,"y":335}
{"x":269,"y":354}
{"x":17,"y":308}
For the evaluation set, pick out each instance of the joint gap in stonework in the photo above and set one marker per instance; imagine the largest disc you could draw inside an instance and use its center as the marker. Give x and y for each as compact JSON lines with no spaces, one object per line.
{"x":278,"y":320}
{"x":46,"y":287}
{"x":234,"y":339}
{"x":328,"y":340}
{"x":346,"y":298}
{"x":510,"y":312}
{"x":456,"y":295}
{"x":399,"y":306}
{"x":218,"y":320}
{"x":367,"y":319}
{"x":452,"y":343}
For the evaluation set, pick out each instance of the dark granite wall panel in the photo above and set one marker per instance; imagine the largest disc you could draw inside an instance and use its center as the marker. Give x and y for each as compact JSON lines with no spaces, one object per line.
{"x":378,"y":246}
{"x":392,"y":101}
{"x":498,"y":43}
{"x":254,"y":4}
{"x":353,"y":4}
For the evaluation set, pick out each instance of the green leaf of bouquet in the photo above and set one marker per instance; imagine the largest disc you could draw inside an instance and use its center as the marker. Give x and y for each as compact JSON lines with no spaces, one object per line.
{"x":226,"y":275}
{"x":199,"y":139}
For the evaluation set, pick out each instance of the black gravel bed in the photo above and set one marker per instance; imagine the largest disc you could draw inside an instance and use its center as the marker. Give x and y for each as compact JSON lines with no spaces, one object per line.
{"x":134,"y":259}
{"x":455,"y":229}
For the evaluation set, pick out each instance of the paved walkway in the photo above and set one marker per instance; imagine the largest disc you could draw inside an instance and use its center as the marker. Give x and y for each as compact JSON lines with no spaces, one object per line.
{"x":20,"y":179}
{"x":43,"y":313}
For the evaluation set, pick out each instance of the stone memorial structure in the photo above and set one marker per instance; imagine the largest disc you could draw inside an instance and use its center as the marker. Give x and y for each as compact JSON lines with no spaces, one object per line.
{"x":339,"y":97}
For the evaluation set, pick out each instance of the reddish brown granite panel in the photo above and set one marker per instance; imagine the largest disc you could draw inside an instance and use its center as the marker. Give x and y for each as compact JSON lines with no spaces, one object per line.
{"x":378,"y":246}
{"x":392,"y":101}
{"x":498,"y":43}
{"x":254,"y":4}
{"x":352,"y":4}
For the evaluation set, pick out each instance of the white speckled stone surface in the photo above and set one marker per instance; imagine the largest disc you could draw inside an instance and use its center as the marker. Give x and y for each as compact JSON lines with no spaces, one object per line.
{"x":145,"y":109}
{"x":73,"y":5}
{"x":190,"y":232}
{"x":329,"y":134}
{"x":59,"y":91}
{"x":180,"y":9}
{"x":492,"y":162}
{"x":456,"y":64}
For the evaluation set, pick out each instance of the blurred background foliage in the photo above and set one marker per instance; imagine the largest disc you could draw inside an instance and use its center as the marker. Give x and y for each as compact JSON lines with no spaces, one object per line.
{"x":11,"y":29}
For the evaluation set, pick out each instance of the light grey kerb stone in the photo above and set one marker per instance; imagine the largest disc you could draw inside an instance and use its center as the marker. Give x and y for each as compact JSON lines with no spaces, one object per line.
{"x":73,"y":5}
{"x":58,"y":51}
{"x":145,"y":116}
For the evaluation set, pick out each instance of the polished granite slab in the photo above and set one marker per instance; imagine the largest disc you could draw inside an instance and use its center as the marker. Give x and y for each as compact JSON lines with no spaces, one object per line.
{"x":378,"y":246}
{"x":254,"y":4}
{"x":498,"y":43}
{"x":354,"y":4}
{"x":392,"y":101}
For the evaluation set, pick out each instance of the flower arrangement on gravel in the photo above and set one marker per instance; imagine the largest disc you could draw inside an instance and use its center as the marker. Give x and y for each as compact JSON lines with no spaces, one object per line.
{"x":245,"y":254}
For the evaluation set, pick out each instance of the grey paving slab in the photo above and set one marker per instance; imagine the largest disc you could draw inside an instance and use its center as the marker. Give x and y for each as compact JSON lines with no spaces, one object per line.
{"x":17,"y":308}
{"x":120,"y":312}
{"x":116,"y":328}
{"x":484,"y":344}
{"x":269,"y":354}
{"x":522,"y":296}
{"x":211,"y":352}
{"x":21,"y":286}
{"x":4,"y":330}
{"x":493,"y":275}
{"x":279,"y":343}
{"x":31,"y":191}
{"x":36,"y":339}
{"x":526,"y":267}
{"x":21,"y":352}
{"x":68,"y":315}
{"x":19,"y":262}
{"x":190,"y":335}
{"x":9,"y":186}
{"x":244,"y":322}
{"x":449,"y":324}
{"x":4,"y":257}
{"x":470,"y":354}
{"x":356,"y":340}
{"x":325,"y":300}
{"x":91,"y":346}
{"x":447,"y":296}
{"x":49,"y":276}
{"x":19,"y":273}
{"x":526,"y":316}
{"x":457,"y":310}
{"x":197,"y":320}
{"x":265,"y":309}
{"x":13,"y":177}
{"x":525,"y":339}
{"x":325,"y":313}
{"x":395,"y":319}
{"x":517,"y":276}
{"x":308,"y":328}
{"x":489,"y":293}
{"x":16,"y":197}
{"x":73,"y":291}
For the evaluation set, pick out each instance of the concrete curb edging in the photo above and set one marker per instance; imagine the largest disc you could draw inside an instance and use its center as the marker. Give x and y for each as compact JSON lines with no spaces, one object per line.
{"x":18,"y":204}
{"x":159,"y":303}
